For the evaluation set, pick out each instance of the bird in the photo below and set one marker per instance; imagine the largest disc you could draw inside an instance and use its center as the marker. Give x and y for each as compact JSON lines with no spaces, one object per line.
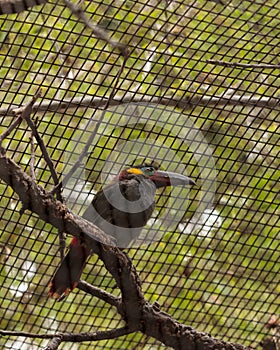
{"x":17,"y":6}
{"x":121,"y":209}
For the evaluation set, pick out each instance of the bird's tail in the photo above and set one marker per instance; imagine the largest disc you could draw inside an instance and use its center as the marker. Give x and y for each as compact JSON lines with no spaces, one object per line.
{"x":69,"y":272}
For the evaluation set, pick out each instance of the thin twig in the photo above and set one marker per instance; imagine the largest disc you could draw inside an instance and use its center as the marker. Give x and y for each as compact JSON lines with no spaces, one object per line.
{"x":54,"y":175}
{"x":21,"y":113}
{"x":97,"y":31}
{"x":7,"y":132}
{"x":32,"y":158}
{"x":72,"y":337}
{"x":93,"y":134}
{"x":43,"y":149}
{"x":99,"y":293}
{"x":5,"y":333}
{"x":65,"y":73}
{"x":24,"y":112}
{"x":243,"y":65}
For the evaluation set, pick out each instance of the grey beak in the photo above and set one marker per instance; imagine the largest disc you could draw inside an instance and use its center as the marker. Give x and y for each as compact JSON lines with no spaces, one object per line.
{"x":166,"y":178}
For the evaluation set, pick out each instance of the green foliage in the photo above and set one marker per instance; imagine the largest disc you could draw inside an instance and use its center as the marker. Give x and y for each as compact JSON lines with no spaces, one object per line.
{"x":224,"y":279}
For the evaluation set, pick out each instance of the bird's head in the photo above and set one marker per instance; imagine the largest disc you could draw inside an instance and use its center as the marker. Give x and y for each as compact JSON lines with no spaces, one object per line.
{"x":159,"y":178}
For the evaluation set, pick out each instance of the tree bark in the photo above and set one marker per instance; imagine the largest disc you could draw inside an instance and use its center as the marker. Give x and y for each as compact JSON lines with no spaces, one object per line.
{"x":134,"y":309}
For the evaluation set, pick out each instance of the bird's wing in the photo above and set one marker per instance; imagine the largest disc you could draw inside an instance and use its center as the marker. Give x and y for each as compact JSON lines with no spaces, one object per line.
{"x":111,"y":210}
{"x":99,"y":208}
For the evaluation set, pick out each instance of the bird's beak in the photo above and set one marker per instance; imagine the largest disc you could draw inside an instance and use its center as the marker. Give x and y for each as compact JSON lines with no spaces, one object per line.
{"x":166,"y":178}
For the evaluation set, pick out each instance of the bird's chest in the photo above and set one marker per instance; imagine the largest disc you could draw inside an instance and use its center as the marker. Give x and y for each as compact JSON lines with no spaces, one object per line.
{"x":134,"y":203}
{"x":123,"y":208}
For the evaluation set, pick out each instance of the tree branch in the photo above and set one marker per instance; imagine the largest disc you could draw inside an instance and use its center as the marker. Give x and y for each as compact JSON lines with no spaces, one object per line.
{"x":32,"y":157}
{"x":17,"y":6}
{"x":78,"y":163}
{"x":183,"y":103}
{"x":10,"y":129}
{"x":100,"y":294}
{"x":135,"y":311}
{"x":96,"y":30}
{"x":56,"y":213}
{"x":71,"y":337}
{"x":22,"y":112}
{"x":54,"y":343}
{"x":243,"y":65}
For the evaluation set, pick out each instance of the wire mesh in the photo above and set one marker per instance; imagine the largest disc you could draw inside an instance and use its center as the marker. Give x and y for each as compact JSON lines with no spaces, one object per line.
{"x":214,"y":261}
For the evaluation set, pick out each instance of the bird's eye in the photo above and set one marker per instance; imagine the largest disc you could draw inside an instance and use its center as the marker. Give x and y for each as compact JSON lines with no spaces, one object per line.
{"x":149,"y":171}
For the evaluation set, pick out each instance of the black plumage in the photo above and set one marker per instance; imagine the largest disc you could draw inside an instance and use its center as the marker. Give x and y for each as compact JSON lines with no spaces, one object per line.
{"x":121,"y":209}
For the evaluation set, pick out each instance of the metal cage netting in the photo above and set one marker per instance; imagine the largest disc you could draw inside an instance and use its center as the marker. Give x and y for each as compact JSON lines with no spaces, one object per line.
{"x":199,"y":93}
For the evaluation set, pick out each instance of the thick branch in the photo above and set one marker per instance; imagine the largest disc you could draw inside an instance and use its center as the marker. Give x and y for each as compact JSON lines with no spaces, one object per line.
{"x":156,"y":324}
{"x":163,"y":327}
{"x":50,"y":210}
{"x":138,"y":315}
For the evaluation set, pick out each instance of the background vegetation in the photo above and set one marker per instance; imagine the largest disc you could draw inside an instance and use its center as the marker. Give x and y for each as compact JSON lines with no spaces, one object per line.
{"x":215,"y":262}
